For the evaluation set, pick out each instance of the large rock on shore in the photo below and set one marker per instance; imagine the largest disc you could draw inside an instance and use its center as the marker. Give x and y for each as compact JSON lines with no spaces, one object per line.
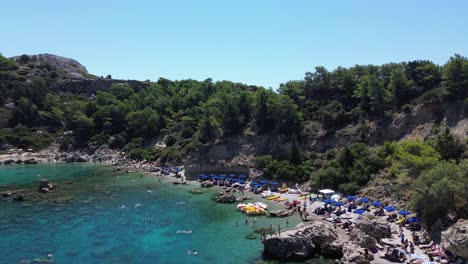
{"x":354,"y":254}
{"x":455,"y":239}
{"x":376,"y":228}
{"x":301,"y":243}
{"x":361,"y":239}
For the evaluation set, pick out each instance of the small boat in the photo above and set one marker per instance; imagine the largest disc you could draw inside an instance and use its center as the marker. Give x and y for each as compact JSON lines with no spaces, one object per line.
{"x":281,"y":199}
{"x":283,"y":190}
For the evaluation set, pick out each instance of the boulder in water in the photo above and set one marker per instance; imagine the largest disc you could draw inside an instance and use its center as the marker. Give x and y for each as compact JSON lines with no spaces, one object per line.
{"x":281,"y":213}
{"x":226,"y":198}
{"x":206,"y":184}
{"x":18,"y":197}
{"x":45,"y":185}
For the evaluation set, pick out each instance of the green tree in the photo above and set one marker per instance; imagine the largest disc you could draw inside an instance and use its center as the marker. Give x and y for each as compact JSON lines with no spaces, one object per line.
{"x":209,"y":129}
{"x":294,"y":152}
{"x":261,"y":113}
{"x":372,"y":95}
{"x":449,"y":146}
{"x":455,"y":75}
{"x":399,"y":87}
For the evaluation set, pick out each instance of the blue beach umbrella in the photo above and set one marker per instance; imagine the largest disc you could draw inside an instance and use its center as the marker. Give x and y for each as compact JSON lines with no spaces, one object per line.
{"x":364,"y":200}
{"x":376,"y":203}
{"x":328,"y":201}
{"x":359,"y":211}
{"x":339,"y":204}
{"x":235,"y":180}
{"x":351,"y":197}
{"x":232,"y":175}
{"x":241,"y":181}
{"x":228,"y":179}
{"x":389,"y":208}
{"x":214,"y":177}
{"x":263,"y":182}
{"x":222,"y":177}
{"x":413,"y":220}
{"x":242,"y":177}
{"x":404,"y":212}
{"x":253,"y":183}
{"x":274,"y":183}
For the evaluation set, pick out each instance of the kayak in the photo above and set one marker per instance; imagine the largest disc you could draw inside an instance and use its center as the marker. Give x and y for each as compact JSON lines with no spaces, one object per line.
{"x":305,"y":196}
{"x":281,"y":199}
{"x":272,"y":197}
{"x":284,"y":190}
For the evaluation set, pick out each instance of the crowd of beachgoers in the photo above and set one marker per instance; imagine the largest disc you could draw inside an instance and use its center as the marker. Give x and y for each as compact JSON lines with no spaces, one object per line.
{"x":408,"y":240}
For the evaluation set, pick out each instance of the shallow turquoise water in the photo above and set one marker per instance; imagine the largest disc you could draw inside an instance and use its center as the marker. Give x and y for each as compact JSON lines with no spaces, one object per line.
{"x":112,"y":218}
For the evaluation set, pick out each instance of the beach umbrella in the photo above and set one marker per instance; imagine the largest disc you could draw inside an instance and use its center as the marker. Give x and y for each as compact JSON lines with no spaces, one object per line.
{"x":222,"y":177}
{"x":328,"y":201}
{"x":235,"y":180}
{"x":351,"y":197}
{"x":241,"y":181}
{"x":232,"y":175}
{"x":253,"y":183}
{"x":214,"y":177}
{"x":364,"y":200}
{"x":242,"y":177}
{"x":413,"y":220}
{"x":404,"y":212}
{"x":274,"y":183}
{"x":389,"y":208}
{"x":359,"y":211}
{"x":228,"y":179}
{"x":263,"y":182}
{"x":376,"y":203}
{"x":339,"y":204}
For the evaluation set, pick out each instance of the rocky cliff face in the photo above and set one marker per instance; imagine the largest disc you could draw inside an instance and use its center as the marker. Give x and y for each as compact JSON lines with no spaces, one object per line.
{"x":455,"y":239}
{"x":419,"y":122}
{"x":68,"y":74}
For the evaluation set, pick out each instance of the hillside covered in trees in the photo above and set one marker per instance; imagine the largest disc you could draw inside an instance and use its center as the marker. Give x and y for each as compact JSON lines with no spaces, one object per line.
{"x":44,"y":101}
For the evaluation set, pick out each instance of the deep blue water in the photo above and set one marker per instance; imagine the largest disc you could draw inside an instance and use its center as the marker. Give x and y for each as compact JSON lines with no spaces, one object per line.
{"x":100,"y":216}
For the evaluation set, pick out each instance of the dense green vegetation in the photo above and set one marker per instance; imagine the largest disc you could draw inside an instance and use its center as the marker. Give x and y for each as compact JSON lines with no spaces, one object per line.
{"x":185,"y":114}
{"x":180,"y":116}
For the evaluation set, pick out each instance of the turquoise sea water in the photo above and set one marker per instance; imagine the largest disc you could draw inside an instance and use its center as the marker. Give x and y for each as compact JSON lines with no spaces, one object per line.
{"x":97,"y":215}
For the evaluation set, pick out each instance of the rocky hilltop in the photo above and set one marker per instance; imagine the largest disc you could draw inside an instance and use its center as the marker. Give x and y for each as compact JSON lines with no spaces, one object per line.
{"x":41,"y":63}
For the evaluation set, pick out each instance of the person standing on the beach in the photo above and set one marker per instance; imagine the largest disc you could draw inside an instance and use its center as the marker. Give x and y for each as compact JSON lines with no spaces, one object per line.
{"x":287,"y":222}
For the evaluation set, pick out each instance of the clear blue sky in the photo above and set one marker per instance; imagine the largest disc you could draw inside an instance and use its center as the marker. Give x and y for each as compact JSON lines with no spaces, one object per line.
{"x":252,"y":41}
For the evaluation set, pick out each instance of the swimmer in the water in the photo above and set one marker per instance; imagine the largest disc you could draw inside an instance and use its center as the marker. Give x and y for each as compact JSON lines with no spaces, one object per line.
{"x":195,"y":253}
